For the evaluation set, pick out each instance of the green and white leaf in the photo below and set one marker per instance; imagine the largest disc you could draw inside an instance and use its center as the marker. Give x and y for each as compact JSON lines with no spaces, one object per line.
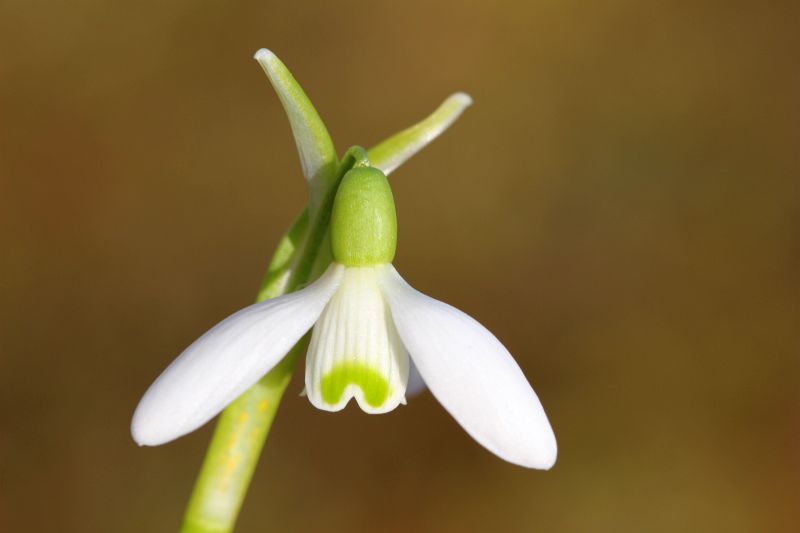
{"x":317,"y":153}
{"x":398,"y":148}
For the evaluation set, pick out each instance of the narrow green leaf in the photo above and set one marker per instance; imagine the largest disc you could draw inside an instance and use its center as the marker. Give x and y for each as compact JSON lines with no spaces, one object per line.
{"x":317,"y":153}
{"x":398,"y":148}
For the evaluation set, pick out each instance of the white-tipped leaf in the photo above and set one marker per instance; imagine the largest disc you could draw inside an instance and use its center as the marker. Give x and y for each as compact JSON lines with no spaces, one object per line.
{"x":398,"y":148}
{"x":355,"y":351}
{"x":472,"y":375}
{"x":317,"y":153}
{"x":226,"y":361}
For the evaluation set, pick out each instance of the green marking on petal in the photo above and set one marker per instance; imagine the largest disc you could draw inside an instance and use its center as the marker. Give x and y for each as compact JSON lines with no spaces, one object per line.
{"x":371,"y":382}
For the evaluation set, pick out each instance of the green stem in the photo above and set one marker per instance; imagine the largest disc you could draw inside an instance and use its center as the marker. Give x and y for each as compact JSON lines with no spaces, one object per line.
{"x":232,"y":456}
{"x":244,"y":425}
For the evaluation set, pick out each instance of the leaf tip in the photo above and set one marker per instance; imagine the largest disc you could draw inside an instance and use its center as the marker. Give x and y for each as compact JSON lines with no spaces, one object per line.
{"x":461,"y":98}
{"x":264,"y":56}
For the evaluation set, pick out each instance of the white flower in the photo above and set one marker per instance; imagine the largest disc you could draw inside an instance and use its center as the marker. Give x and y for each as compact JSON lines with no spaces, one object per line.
{"x":369,"y":328}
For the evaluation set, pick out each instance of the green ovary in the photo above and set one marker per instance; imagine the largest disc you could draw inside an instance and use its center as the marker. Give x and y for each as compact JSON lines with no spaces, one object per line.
{"x":363,"y":219}
{"x":372,"y":383}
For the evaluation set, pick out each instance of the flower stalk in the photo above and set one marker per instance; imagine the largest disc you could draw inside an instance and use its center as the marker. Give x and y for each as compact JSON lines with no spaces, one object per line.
{"x":234,"y":451}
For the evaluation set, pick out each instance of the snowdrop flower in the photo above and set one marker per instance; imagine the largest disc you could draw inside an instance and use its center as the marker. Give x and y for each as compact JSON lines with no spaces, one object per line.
{"x":370,"y":330}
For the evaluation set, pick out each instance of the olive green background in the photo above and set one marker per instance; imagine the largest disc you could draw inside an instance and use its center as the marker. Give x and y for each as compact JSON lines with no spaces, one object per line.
{"x":620,"y":207}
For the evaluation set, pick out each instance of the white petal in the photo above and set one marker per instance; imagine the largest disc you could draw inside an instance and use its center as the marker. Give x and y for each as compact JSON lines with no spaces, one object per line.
{"x":398,"y":148}
{"x":355,"y":351}
{"x":415,"y":382}
{"x":226,"y":361}
{"x":472,"y":375}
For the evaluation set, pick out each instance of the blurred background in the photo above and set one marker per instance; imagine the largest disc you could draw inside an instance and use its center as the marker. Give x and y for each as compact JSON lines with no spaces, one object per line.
{"x":620,"y":207}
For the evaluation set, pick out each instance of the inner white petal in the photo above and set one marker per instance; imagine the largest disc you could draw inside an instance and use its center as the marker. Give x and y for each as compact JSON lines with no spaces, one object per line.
{"x":355,"y":351}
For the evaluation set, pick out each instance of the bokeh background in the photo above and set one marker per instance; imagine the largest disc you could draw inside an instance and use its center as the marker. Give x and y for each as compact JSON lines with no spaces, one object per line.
{"x":620,"y":206}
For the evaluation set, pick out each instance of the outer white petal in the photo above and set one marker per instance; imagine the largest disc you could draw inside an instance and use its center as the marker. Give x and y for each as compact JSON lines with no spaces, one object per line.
{"x":472,"y":375}
{"x":415,"y":382}
{"x":226,"y":361}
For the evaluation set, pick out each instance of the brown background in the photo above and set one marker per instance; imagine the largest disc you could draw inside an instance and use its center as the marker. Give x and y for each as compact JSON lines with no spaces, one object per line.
{"x":620,"y":206}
